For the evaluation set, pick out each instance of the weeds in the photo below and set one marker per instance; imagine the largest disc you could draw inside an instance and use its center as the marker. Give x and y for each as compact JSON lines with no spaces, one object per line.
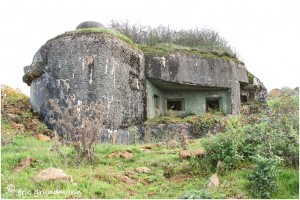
{"x":204,"y":39}
{"x":81,"y":124}
{"x":263,"y":177}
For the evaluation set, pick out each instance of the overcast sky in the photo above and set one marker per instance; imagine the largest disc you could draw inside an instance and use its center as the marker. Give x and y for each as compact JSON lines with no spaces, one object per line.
{"x":266,"y":33}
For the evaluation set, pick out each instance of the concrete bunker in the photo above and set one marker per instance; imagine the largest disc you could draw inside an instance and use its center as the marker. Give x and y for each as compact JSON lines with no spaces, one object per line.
{"x":163,"y":96}
{"x":133,"y":83}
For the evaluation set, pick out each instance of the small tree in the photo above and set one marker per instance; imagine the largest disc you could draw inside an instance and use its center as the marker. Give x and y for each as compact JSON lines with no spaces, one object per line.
{"x":81,"y":124}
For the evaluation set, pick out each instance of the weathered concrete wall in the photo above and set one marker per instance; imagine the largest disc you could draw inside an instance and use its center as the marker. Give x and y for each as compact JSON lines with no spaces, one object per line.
{"x":151,"y":90}
{"x":91,"y":67}
{"x":199,"y":71}
{"x":194,"y":98}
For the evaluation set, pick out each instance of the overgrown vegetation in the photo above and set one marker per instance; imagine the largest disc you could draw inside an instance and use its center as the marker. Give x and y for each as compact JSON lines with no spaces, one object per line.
{"x":263,"y":177}
{"x":105,"y":31}
{"x":201,"y":39}
{"x":80,"y":124}
{"x":259,"y":155}
{"x":265,"y":136}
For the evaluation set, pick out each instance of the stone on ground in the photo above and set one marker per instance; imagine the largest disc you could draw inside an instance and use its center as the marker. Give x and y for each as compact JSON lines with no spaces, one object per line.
{"x":43,"y":137}
{"x":213,"y":181}
{"x":184,"y":154}
{"x":143,"y":170}
{"x":220,"y":165}
{"x":198,"y":152}
{"x":125,"y":179}
{"x":53,"y":174}
{"x":26,"y":162}
{"x":126,"y":155}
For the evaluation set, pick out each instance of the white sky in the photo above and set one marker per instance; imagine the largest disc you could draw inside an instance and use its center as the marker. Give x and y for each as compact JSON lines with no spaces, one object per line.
{"x":266,"y":33}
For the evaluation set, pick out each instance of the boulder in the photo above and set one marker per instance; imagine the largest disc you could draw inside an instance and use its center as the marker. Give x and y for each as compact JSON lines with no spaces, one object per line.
{"x":220,"y":165}
{"x":184,"y":154}
{"x":143,"y":170}
{"x":126,"y":155}
{"x":213,"y":181}
{"x":13,"y":118}
{"x":43,"y":137}
{"x":125,"y":179}
{"x":18,"y":127}
{"x":198,"y":152}
{"x":26,"y":162}
{"x":129,"y":150}
{"x":113,"y":155}
{"x":53,"y":174}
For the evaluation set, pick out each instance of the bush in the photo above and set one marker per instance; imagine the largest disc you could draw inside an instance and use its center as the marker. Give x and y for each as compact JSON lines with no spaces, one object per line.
{"x":204,"y":39}
{"x":239,"y":144}
{"x":263,"y":177}
{"x":80,"y":124}
{"x":226,"y":147}
{"x":192,"y":194}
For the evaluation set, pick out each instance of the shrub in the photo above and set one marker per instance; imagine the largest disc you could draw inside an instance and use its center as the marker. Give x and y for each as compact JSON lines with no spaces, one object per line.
{"x":204,"y":39}
{"x":81,"y":124}
{"x":263,"y":177}
{"x":192,"y":194}
{"x":226,"y":147}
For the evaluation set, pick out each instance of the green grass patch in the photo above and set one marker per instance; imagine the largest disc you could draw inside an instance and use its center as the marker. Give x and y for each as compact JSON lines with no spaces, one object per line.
{"x":288,"y":184}
{"x":101,"y":178}
{"x":164,"y":49}
{"x":105,"y":31}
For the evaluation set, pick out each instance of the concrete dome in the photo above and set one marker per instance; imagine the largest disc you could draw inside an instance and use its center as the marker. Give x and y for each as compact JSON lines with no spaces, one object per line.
{"x":89,"y":24}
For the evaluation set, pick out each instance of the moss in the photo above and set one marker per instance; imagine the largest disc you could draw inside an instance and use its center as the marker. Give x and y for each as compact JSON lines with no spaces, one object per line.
{"x":250,"y":77}
{"x":105,"y":31}
{"x":167,"y":49}
{"x":162,"y":49}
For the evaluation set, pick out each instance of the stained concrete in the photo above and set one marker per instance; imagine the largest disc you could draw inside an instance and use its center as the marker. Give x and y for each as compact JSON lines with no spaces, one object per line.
{"x":196,"y":70}
{"x":98,"y":66}
{"x":90,"y":67}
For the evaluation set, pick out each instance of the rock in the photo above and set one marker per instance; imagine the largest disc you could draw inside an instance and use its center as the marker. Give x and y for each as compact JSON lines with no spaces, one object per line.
{"x":114,"y":155}
{"x":125,"y":179}
{"x":26,"y":162}
{"x":13,"y":118}
{"x":55,"y":138}
{"x":143,"y":170}
{"x":53,"y":174}
{"x":33,"y":71}
{"x":130,"y":173}
{"x":220,"y":165}
{"x":213,"y":181}
{"x":126,"y":155}
{"x":19,"y":127}
{"x":129,"y":150}
{"x":198,"y":152}
{"x":43,"y":137}
{"x":184,"y":154}
{"x":147,"y":151}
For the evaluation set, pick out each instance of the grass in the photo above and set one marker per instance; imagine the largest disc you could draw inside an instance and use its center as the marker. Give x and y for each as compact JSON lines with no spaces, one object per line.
{"x":161,"y":49}
{"x":100,"y":179}
{"x":105,"y":31}
{"x":288,"y":186}
{"x":167,"y":49}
